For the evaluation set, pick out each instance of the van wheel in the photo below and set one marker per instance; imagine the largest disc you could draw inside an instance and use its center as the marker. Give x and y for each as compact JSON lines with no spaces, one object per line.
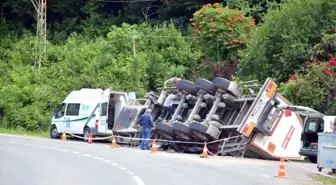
{"x":54,"y":133}
{"x":86,"y":133}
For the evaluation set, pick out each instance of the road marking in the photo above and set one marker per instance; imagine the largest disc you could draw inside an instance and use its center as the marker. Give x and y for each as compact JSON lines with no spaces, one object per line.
{"x":86,"y":155}
{"x":107,"y":161}
{"x":114,"y":164}
{"x":138,"y":180}
{"x":123,"y":168}
{"x":98,"y":158}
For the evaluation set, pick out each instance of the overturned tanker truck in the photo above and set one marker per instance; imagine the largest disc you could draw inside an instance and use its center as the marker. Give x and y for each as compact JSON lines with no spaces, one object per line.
{"x":217,"y":112}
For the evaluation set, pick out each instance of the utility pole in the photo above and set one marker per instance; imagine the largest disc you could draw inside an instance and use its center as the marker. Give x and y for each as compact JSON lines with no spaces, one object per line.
{"x":41,"y":31}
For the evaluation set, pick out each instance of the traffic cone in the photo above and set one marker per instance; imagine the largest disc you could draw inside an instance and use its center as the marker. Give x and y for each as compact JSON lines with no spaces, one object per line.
{"x":114,"y":143}
{"x":90,"y":138}
{"x":205,"y":151}
{"x":281,"y":171}
{"x":63,"y":136}
{"x":153,"y":149}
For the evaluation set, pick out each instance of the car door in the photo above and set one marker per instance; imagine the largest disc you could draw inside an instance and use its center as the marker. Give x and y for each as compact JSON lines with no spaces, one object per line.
{"x":104,"y":104}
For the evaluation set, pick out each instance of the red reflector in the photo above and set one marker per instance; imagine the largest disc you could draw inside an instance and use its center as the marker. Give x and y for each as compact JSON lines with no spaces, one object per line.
{"x":288,"y":113}
{"x":269,"y":86}
{"x":97,"y":123}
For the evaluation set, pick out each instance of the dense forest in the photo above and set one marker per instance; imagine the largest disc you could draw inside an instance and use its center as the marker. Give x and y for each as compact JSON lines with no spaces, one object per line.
{"x":134,"y":45}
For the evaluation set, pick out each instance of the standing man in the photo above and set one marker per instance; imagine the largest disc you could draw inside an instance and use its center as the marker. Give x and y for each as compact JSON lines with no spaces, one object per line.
{"x":168,"y":106}
{"x":146,"y":122}
{"x":173,"y":80}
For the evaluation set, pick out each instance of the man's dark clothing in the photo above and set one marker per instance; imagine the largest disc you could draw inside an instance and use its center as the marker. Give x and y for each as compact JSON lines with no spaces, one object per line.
{"x":146,"y":121}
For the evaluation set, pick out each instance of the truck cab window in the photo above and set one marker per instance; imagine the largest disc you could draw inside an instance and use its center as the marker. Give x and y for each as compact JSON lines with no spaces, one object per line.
{"x":61,"y":111}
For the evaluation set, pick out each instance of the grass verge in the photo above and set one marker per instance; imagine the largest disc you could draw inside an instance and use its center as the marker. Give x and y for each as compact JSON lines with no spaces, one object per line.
{"x":325,"y":180}
{"x":23,"y":132}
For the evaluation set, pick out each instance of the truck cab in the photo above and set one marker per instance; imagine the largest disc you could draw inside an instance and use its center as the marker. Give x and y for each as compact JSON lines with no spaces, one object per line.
{"x":315,"y":122}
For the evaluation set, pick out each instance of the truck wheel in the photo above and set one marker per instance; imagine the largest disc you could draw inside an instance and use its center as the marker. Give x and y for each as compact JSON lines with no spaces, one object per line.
{"x":86,"y":133}
{"x":333,"y":171}
{"x":205,"y":85}
{"x":54,"y":133}
{"x":186,"y":86}
{"x":228,"y":86}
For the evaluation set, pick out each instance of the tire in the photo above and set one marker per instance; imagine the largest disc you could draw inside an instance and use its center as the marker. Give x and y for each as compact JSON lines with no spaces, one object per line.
{"x":187,"y":87}
{"x":54,"y":133}
{"x":86,"y":133}
{"x":227,"y":86}
{"x":182,"y":131}
{"x":333,"y":171}
{"x":165,"y":130}
{"x":312,"y":159}
{"x":205,"y":85}
{"x":204,"y":132}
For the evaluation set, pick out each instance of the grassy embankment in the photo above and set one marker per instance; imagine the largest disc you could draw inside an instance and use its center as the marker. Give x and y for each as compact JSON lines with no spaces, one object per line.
{"x":326,"y":180}
{"x":24,"y":132}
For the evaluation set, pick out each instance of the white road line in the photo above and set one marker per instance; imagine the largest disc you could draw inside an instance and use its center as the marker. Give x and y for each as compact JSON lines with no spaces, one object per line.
{"x":138,"y":180}
{"x":98,"y":158}
{"x":123,"y":168}
{"x":86,"y":155}
{"x":107,"y":161}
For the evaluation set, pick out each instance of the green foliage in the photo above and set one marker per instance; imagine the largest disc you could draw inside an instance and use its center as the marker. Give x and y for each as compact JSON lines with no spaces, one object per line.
{"x":314,"y":89}
{"x":223,"y":31}
{"x":285,"y":38}
{"x":29,"y":96}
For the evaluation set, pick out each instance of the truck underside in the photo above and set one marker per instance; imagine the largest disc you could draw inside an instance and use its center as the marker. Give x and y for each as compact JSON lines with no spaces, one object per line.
{"x":242,"y":125}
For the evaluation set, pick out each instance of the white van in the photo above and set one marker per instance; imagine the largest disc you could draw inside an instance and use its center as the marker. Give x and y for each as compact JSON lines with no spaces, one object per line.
{"x":88,"y":111}
{"x":314,"y":123}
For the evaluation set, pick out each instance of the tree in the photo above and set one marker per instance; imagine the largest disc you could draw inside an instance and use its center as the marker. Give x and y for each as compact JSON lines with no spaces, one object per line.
{"x":221,"y":32}
{"x":315,"y":88}
{"x":281,"y":45}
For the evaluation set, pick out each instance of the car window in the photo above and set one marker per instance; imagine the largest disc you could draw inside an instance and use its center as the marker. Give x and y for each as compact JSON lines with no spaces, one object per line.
{"x":61,"y":111}
{"x":312,"y":126}
{"x":103,"y":109}
{"x":73,"y":109}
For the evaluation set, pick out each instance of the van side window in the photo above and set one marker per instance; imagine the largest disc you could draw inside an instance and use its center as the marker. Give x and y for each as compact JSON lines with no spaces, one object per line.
{"x":73,"y":109}
{"x":61,"y":111}
{"x":103,"y":109}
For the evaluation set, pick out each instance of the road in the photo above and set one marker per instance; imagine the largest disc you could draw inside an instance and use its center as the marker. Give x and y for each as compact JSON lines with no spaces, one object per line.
{"x":37,"y":161}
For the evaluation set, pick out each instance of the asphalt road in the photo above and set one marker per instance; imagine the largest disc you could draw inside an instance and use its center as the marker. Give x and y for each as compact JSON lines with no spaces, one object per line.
{"x":36,"y":161}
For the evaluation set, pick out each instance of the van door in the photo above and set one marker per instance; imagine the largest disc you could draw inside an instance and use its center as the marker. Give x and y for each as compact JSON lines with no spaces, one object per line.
{"x":59,"y":118}
{"x":104,"y":104}
{"x":304,"y":111}
{"x":72,"y":118}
